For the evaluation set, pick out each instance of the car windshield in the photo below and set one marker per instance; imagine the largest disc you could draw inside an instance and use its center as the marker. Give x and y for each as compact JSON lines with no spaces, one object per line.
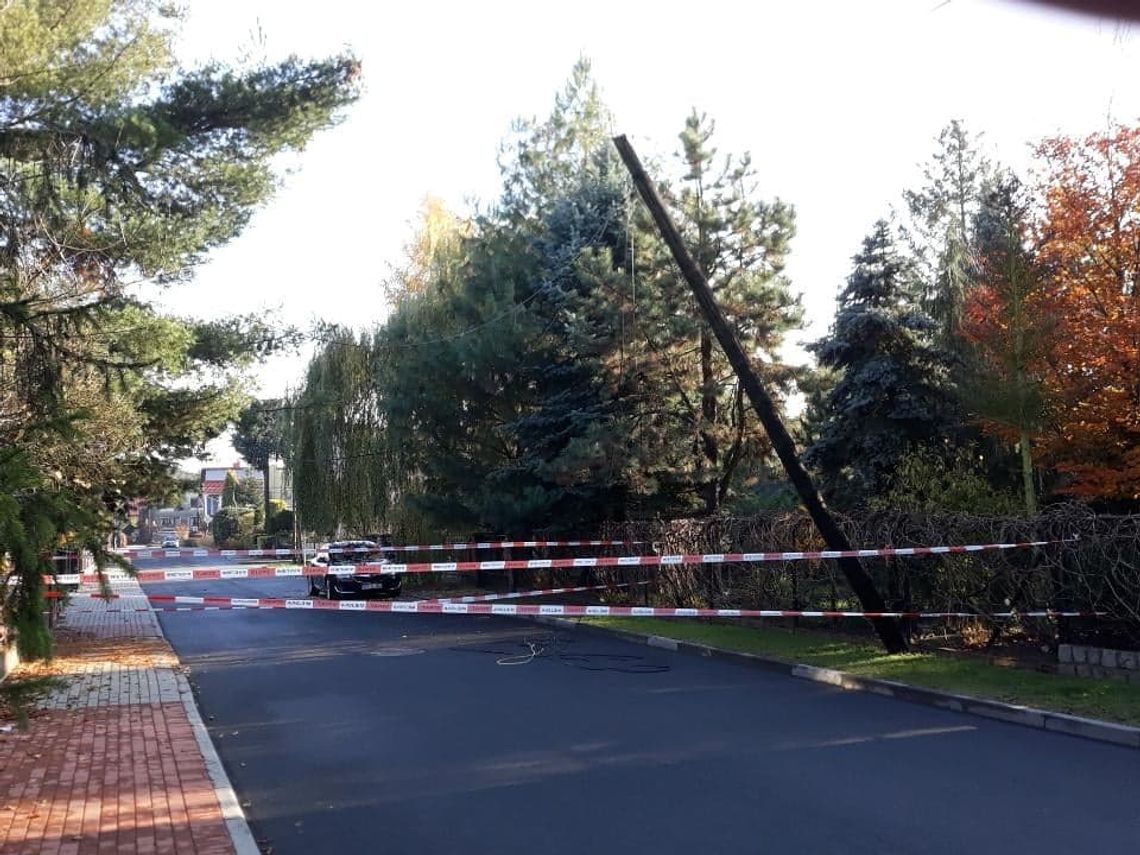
{"x":354,"y":552}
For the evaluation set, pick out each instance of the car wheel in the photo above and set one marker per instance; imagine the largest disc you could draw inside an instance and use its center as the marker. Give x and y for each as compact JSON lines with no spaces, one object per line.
{"x":331,"y":589}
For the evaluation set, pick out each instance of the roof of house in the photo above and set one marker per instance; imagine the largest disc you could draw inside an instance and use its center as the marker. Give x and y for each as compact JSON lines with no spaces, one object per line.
{"x":213,"y":488}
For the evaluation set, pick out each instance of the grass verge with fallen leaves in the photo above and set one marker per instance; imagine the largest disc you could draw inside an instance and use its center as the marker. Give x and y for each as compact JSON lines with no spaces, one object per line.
{"x":1110,"y":700}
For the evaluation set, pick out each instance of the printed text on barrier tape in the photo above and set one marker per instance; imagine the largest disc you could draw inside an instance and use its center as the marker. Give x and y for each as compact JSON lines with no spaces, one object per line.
{"x":385,"y":569}
{"x":565,"y":610}
{"x":202,"y":552}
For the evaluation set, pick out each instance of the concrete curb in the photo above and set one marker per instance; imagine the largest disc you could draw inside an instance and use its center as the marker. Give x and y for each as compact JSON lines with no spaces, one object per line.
{"x":236,"y":824}
{"x":1086,"y":728}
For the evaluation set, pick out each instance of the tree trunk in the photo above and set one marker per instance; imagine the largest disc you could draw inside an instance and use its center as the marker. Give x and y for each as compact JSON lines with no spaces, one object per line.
{"x":1027,"y":474}
{"x":265,"y":490}
{"x":709,"y":445}
{"x":732,"y":459}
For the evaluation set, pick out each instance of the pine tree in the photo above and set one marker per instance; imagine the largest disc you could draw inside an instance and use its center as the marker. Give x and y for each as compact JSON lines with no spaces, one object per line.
{"x":545,"y":365}
{"x":573,"y":437}
{"x":481,"y":388}
{"x":115,"y":165}
{"x":892,"y":394}
{"x":815,"y":383}
{"x":941,"y":235}
{"x":543,"y":161}
{"x":259,"y":437}
{"x":741,"y":242}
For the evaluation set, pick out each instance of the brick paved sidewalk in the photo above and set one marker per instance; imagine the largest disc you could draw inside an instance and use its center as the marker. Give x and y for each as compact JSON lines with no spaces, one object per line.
{"x":111,"y":762}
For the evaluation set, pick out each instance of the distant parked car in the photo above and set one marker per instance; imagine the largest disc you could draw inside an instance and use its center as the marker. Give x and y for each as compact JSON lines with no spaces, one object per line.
{"x":170,"y":543}
{"x":348,"y":553}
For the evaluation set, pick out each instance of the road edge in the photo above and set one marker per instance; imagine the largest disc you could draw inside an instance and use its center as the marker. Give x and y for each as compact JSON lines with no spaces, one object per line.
{"x":237,"y":826}
{"x":1072,"y":725}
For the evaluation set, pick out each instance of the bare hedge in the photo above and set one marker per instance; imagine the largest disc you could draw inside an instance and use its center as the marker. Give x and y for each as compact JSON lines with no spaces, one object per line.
{"x":1094,"y":566}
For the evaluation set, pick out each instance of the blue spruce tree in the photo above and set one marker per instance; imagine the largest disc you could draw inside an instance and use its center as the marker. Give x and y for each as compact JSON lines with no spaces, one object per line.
{"x":894,"y":393}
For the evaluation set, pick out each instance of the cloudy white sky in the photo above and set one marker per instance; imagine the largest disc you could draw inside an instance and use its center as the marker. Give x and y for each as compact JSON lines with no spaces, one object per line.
{"x":838,"y":102}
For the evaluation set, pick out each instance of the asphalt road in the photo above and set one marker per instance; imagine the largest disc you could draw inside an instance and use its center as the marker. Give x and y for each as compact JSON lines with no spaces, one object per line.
{"x":392,"y":733}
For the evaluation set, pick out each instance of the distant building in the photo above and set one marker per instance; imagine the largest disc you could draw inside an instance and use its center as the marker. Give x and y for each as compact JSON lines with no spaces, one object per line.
{"x":213,"y":483}
{"x":182,"y":522}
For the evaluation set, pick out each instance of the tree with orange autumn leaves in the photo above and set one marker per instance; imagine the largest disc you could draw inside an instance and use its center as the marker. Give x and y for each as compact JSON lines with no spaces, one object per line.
{"x":1008,"y":320}
{"x":1055,"y":319}
{"x":1090,"y":243}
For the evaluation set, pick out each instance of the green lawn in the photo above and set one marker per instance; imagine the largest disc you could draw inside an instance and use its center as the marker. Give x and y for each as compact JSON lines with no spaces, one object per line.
{"x":1104,"y":699}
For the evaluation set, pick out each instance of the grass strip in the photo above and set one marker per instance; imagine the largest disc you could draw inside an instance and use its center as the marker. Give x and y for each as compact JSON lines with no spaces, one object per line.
{"x":1110,"y":700}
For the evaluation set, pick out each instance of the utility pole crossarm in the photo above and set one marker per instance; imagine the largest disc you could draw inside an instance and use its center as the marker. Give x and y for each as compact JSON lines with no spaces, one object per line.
{"x":785,"y":448}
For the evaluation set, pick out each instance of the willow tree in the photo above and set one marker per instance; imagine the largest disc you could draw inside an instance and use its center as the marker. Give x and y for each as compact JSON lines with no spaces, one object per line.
{"x":335,"y":442}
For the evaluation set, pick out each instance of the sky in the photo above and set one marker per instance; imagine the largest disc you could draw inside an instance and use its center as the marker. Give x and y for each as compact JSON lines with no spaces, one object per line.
{"x":839,"y":104}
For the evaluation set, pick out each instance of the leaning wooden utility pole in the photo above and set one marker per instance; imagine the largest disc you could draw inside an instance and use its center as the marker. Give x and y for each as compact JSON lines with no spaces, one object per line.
{"x":857,"y":577}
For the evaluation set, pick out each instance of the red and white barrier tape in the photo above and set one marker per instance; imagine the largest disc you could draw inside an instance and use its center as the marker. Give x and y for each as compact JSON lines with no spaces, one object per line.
{"x":202,"y":552}
{"x":146,"y":609}
{"x":545,"y":592}
{"x":471,"y":598}
{"x":501,"y":544}
{"x":386,"y":568}
{"x":565,"y":610}
{"x":191,"y":575}
{"x":466,"y":599}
